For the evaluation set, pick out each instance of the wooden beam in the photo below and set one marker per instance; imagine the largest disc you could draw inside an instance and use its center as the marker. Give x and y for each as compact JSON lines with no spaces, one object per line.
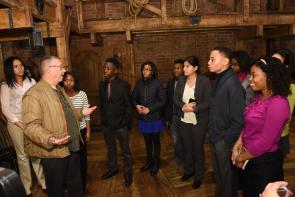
{"x":279,"y":31}
{"x":207,"y":21}
{"x":62,"y":43}
{"x":12,"y":3}
{"x":246,"y":33}
{"x":48,"y":10}
{"x":164,"y":11}
{"x":20,"y":18}
{"x":246,"y":9}
{"x":55,"y":30}
{"x":152,"y":8}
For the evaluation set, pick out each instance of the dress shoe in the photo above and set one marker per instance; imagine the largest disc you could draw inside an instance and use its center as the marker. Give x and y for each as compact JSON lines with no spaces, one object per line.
{"x":187,"y":176}
{"x":128,"y":180}
{"x":109,"y":174}
{"x":197,"y":184}
{"x":146,"y":167}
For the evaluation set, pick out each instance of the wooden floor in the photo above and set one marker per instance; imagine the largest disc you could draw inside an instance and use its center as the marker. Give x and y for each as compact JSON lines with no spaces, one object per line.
{"x":166,"y":183}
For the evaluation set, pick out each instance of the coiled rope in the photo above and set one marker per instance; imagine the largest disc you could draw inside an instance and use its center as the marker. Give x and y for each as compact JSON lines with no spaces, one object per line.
{"x":135,"y":6}
{"x":193,"y":7}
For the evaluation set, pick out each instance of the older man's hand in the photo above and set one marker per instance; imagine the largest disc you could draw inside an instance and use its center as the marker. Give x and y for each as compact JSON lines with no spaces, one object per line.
{"x":58,"y":141}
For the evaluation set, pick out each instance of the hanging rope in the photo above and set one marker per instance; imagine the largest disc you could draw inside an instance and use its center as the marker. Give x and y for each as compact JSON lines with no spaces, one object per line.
{"x":135,"y":6}
{"x":193,"y":7}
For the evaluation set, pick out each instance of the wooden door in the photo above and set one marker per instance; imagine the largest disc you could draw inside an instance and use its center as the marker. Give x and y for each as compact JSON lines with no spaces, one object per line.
{"x":90,"y":71}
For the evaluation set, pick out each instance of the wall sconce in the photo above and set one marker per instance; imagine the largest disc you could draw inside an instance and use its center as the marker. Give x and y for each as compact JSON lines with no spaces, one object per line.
{"x":40,"y":6}
{"x":195,"y":19}
{"x":36,"y":38}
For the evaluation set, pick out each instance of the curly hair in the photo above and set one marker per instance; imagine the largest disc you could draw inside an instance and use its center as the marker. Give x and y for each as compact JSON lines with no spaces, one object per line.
{"x":277,"y":80}
{"x":243,"y":60}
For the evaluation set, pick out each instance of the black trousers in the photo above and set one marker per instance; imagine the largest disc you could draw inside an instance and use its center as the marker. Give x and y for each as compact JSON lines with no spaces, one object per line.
{"x":225,"y":173}
{"x":260,"y":171}
{"x":83,"y":158}
{"x":194,"y":155}
{"x":62,"y":173}
{"x":110,"y":136}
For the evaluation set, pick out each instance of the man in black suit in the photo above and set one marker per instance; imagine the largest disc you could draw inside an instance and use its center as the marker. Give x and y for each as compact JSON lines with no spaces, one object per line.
{"x":116,"y":110}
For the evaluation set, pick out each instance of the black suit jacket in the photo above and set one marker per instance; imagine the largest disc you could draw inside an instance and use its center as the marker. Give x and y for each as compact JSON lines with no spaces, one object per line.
{"x":202,"y":97}
{"x":116,"y":110}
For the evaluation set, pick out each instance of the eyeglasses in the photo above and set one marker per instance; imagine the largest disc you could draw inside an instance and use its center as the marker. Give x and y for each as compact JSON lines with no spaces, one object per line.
{"x":61,"y":67}
{"x":146,"y":69}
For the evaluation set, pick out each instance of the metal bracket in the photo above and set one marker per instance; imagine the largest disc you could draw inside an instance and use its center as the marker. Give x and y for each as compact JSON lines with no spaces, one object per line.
{"x":10,"y":18}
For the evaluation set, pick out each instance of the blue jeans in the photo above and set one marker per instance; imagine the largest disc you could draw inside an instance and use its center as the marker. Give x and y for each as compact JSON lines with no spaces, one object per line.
{"x":178,"y":143}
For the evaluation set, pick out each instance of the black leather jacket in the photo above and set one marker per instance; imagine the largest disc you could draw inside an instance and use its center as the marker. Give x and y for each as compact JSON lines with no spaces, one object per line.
{"x":149,"y":93}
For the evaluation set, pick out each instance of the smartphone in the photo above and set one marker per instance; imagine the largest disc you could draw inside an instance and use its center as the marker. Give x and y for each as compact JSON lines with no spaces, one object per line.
{"x":282,"y":191}
{"x":191,"y":100}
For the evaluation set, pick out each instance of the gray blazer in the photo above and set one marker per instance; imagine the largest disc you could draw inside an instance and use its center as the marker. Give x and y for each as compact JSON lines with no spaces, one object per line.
{"x":202,"y":97}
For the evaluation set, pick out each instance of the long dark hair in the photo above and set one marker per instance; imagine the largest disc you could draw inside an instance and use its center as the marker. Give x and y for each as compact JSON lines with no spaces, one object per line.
{"x":76,"y":80}
{"x":277,"y":78}
{"x":9,"y":72}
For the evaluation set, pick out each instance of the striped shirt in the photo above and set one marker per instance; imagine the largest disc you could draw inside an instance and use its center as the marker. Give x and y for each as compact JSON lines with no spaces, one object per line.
{"x":80,"y":100}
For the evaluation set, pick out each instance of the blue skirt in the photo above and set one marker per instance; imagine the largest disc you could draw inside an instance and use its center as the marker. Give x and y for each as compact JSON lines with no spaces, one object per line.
{"x":150,"y":126}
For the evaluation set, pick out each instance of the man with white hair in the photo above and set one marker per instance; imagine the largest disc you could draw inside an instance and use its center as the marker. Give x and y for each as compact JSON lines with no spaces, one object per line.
{"x":52,"y":130}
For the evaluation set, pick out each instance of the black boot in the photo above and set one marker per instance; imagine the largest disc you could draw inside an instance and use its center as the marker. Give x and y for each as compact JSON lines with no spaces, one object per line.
{"x":149,"y":151}
{"x":156,"y":167}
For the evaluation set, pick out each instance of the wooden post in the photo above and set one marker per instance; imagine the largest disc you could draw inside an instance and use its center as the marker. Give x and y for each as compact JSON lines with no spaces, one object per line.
{"x":79,"y":6}
{"x":132,"y":71}
{"x":1,"y":64}
{"x":128,"y":36}
{"x":281,"y":6}
{"x":259,"y":31}
{"x":263,"y":5}
{"x":246,"y":9}
{"x":292,"y":29}
{"x":164,"y":11}
{"x":62,"y":43}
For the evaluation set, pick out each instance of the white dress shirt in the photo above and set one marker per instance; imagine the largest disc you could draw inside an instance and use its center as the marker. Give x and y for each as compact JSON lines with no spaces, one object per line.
{"x":11,"y":99}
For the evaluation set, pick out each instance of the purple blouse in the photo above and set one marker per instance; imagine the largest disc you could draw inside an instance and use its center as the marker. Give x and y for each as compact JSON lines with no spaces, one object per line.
{"x":265,"y":120}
